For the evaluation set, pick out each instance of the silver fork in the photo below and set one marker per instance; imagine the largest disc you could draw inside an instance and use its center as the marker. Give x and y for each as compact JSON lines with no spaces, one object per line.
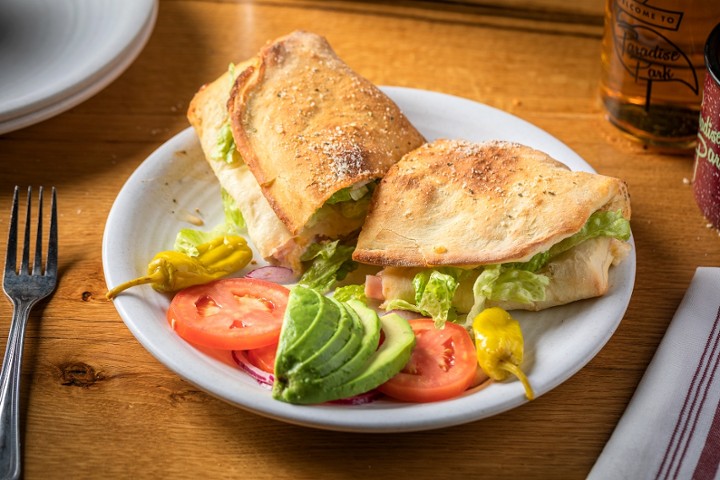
{"x":24,"y":288}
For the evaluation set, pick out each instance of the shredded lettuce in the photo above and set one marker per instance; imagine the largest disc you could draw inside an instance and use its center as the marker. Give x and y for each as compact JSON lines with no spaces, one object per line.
{"x":352,"y":201}
{"x":356,"y":209}
{"x":233,"y":74}
{"x":225,"y":149}
{"x":331,"y":262}
{"x":434,"y":292}
{"x":600,"y":224}
{"x":498,"y":282}
{"x":505,"y":283}
{"x":233,"y":216}
{"x":519,"y":282}
{"x":342,"y":195}
{"x":516,"y":282}
{"x":348,"y":194}
{"x":350,"y":292}
{"x":188,"y":239}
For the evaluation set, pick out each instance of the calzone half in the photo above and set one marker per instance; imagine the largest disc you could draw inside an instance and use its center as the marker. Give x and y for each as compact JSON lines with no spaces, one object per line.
{"x":459,"y":226}
{"x":299,"y":140}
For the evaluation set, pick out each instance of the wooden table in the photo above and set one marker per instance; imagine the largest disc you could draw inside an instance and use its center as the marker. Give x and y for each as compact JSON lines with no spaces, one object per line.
{"x":96,"y":404}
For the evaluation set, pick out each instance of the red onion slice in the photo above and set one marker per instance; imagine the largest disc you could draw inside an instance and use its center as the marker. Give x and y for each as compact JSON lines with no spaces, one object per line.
{"x":359,"y":399}
{"x":281,"y":275}
{"x":264,"y":378}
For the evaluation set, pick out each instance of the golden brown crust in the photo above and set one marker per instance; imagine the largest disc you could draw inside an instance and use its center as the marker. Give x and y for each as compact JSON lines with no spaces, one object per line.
{"x":454,"y":202}
{"x":308,"y":126}
{"x":207,"y":114}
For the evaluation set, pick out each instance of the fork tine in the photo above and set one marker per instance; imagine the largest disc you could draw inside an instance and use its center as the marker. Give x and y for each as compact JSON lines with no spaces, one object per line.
{"x":11,"y":256}
{"x":24,"y":290}
{"x":24,"y":266}
{"x":37,"y":263}
{"x":52,"y":255}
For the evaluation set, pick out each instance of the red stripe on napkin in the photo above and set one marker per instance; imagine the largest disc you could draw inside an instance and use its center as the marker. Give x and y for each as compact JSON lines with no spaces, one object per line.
{"x":687,"y":421}
{"x":707,"y":466}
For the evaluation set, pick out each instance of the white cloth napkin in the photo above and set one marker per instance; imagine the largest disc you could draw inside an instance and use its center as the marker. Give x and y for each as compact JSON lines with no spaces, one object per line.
{"x":671,"y":428}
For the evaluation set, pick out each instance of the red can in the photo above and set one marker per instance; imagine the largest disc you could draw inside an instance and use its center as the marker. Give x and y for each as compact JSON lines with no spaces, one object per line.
{"x":706,"y":179}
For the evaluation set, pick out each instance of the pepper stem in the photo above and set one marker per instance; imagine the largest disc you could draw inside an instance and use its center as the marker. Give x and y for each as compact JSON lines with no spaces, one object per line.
{"x":138,"y":281}
{"x":517,"y":371}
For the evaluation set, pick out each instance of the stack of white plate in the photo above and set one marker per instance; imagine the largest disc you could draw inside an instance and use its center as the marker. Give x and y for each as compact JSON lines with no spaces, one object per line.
{"x":55,"y":54}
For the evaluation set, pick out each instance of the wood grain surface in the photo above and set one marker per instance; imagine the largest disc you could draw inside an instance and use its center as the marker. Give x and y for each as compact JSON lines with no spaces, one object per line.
{"x":96,"y":404}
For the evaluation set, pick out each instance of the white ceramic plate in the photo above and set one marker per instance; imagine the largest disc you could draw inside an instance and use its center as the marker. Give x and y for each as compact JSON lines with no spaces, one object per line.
{"x":56,"y":54}
{"x":174,"y":184}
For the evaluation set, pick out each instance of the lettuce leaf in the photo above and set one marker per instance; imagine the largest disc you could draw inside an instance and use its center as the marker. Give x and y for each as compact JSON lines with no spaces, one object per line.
{"x":331,"y":262}
{"x":342,"y":195}
{"x":515,"y":281}
{"x":350,"y":292}
{"x":225,"y":149}
{"x":349,"y":194}
{"x":355,"y":209}
{"x":434,"y":293}
{"x":188,"y":239}
{"x":233,"y":74}
{"x":600,"y":224}
{"x":519,"y":282}
{"x":233,"y":216}
{"x":506,"y":283}
{"x":353,"y":201}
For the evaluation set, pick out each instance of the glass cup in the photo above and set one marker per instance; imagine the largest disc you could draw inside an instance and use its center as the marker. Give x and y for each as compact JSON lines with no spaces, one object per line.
{"x":653,"y":68}
{"x":706,"y":178}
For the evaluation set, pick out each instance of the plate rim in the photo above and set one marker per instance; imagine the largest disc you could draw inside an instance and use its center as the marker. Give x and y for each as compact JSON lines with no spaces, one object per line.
{"x":455,"y":411}
{"x":23,"y":112}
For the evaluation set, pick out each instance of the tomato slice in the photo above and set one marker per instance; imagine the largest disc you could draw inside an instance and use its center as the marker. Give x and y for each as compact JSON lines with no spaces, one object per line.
{"x":230,"y":313}
{"x":263,"y":357}
{"x":443,"y":364}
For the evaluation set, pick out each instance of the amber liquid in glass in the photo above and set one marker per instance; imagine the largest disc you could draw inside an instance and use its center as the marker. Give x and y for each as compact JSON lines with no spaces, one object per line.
{"x":653,"y":67}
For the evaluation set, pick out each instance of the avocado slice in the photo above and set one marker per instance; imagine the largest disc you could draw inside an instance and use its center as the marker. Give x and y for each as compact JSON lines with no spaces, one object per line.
{"x":327,"y":358}
{"x":300,"y":337}
{"x":369,"y":342}
{"x":350,"y":357}
{"x":304,"y":305}
{"x":387,"y":361}
{"x":307,"y":388}
{"x":383,"y":364}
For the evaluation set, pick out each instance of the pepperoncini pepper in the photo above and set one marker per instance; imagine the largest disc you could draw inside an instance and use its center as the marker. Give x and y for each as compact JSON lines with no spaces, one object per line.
{"x":499,"y":344}
{"x":170,"y":271}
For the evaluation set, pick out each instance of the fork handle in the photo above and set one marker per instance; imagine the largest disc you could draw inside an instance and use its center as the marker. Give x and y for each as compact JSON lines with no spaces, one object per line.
{"x":10,"y":453}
